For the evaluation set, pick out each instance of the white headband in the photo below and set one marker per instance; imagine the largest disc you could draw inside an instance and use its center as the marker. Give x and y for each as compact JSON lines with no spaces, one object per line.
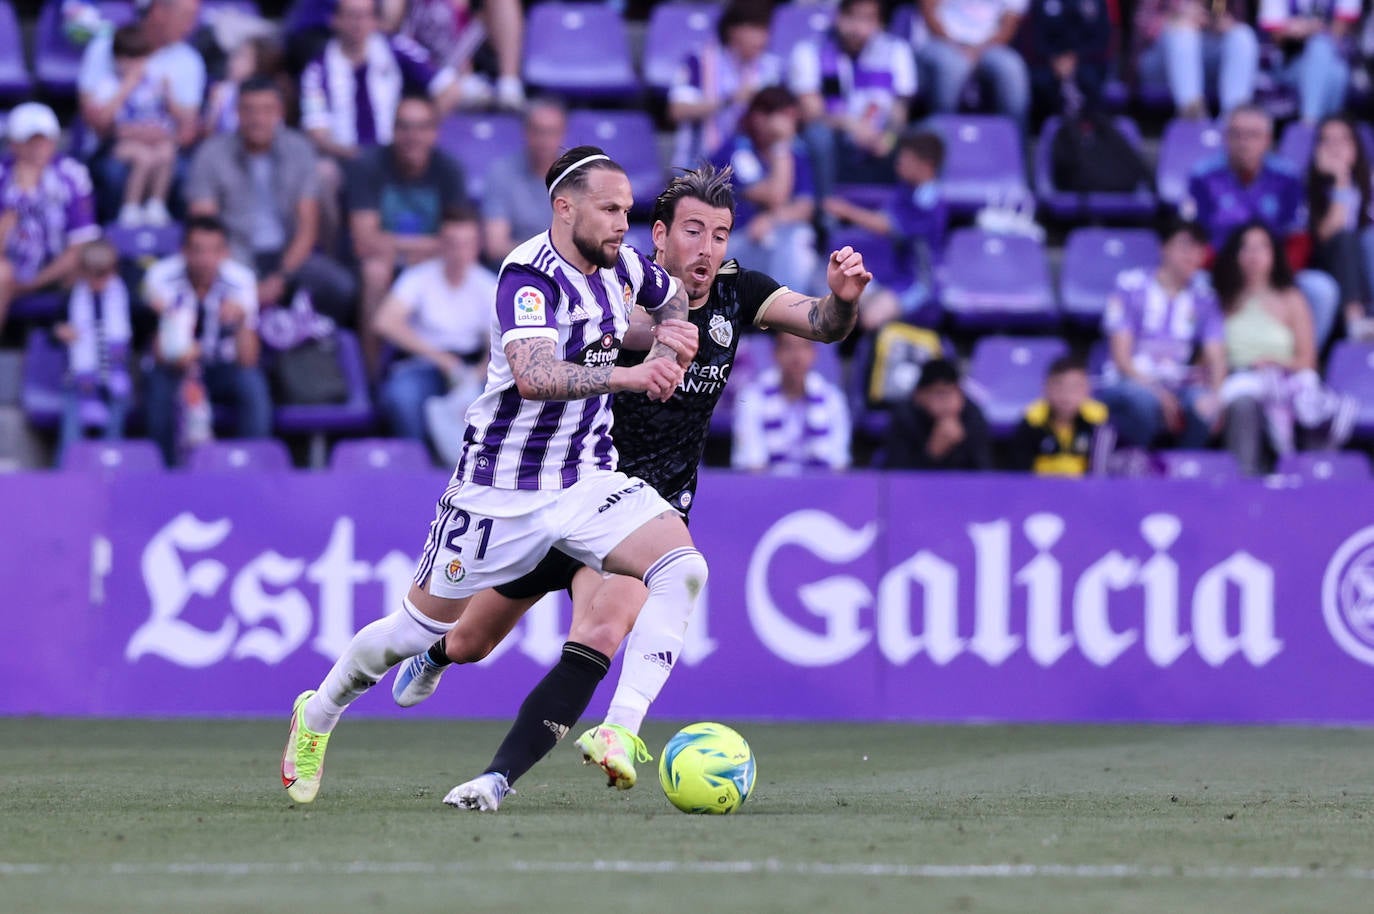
{"x":572,"y":168}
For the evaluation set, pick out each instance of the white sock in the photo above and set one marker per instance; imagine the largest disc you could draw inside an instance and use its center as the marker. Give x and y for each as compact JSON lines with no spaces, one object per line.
{"x":373,"y":651}
{"x":655,"y":643}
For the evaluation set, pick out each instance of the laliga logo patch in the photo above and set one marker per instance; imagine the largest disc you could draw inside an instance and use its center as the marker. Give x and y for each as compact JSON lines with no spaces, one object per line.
{"x":720,"y":330}
{"x":529,"y":307}
{"x":628,"y":293}
{"x":1348,"y":596}
{"x":455,"y":571}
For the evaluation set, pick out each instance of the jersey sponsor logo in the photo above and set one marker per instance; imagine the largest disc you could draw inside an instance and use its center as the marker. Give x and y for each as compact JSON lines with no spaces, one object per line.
{"x":721,"y":330}
{"x":614,"y":498}
{"x":529,"y":307}
{"x":455,"y":571}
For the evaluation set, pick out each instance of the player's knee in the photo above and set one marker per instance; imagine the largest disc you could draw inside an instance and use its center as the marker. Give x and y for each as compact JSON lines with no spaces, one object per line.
{"x":602,"y":634}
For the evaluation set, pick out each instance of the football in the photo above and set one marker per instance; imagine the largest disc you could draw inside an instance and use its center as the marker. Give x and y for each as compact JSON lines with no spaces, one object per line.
{"x":707,"y":768}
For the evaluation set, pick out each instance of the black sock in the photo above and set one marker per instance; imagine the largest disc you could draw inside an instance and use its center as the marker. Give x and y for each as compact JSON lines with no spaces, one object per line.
{"x":437,"y":655}
{"x":550,"y":710}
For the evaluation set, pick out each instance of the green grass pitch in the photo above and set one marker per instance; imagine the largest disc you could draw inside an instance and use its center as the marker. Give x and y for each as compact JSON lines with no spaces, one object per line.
{"x":189,"y":816}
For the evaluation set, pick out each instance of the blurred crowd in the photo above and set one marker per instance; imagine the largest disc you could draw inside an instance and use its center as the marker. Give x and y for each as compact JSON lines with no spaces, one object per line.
{"x":239,"y":210}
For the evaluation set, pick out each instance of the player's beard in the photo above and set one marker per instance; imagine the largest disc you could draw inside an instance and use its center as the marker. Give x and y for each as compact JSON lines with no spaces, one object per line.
{"x":594,"y":251}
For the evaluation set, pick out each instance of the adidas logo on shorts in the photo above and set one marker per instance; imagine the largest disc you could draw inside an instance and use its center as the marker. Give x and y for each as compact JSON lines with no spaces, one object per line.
{"x":661,"y":658}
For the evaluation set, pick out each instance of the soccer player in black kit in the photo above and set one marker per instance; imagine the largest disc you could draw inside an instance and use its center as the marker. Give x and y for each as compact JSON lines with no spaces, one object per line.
{"x":662,"y":444}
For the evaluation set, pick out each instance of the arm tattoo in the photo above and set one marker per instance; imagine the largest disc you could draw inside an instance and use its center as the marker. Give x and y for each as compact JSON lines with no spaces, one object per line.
{"x":673,"y":308}
{"x":541,"y":375}
{"x":831,"y":319}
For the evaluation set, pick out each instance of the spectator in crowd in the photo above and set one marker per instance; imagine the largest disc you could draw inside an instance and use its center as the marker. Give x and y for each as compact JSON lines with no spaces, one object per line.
{"x":515,"y":205}
{"x":47,"y":210}
{"x":396,"y":196}
{"x":1270,"y":351}
{"x":1158,"y":323}
{"x":1339,"y":218}
{"x":1315,"y":40}
{"x":791,"y":418}
{"x":972,"y":38}
{"x":915,"y":219}
{"x":774,"y":191}
{"x":1187,"y":47}
{"x":939,"y":428}
{"x":143,"y":129}
{"x":256,"y":57}
{"x":1065,"y":433}
{"x":1249,"y":182}
{"x":96,"y":329}
{"x":207,"y":309}
{"x":453,"y":31}
{"x":438,"y":314}
{"x":854,"y":85}
{"x":1070,"y":45}
{"x":172,"y":66}
{"x":261,"y":181}
{"x":716,"y":82}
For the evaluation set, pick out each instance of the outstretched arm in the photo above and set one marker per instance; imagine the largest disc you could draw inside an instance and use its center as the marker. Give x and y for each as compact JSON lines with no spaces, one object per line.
{"x":827,"y":319}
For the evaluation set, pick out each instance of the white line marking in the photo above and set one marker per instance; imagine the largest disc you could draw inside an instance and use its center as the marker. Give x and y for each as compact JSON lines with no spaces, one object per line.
{"x":685,"y":867}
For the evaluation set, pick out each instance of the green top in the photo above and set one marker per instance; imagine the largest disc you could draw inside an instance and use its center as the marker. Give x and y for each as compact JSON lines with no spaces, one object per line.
{"x":1254,"y":334}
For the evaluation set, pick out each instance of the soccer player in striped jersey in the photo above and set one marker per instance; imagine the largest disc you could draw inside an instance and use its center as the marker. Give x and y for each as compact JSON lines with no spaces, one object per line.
{"x":538,"y":466}
{"x":663,"y":442}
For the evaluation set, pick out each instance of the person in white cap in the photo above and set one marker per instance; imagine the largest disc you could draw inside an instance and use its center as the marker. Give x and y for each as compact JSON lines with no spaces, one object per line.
{"x":46,"y":211}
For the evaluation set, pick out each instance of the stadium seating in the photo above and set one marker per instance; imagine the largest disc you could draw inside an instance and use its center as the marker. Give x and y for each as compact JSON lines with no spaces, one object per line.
{"x":15,"y":82}
{"x":880,"y":254}
{"x":627,"y":137}
{"x":479,"y":140}
{"x":56,"y":61}
{"x":797,"y":22}
{"x":44,"y":365}
{"x":1006,"y":374}
{"x":1326,"y":466}
{"x":258,"y":455}
{"x":97,"y":456}
{"x":316,"y":421}
{"x":1186,"y":143}
{"x":578,"y":49}
{"x":389,"y":454}
{"x":983,"y":161}
{"x":1135,"y":206}
{"x":990,"y":281}
{"x":1207,"y":466}
{"x":145,"y":241}
{"x":1093,"y":257}
{"x":675,"y":30}
{"x":1295,"y":145}
{"x":1350,"y":370}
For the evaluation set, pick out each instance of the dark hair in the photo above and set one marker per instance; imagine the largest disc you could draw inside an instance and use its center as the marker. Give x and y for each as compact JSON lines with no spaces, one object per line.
{"x":259,"y":83}
{"x":1320,"y":184}
{"x":771,"y":100}
{"x":925,"y":145}
{"x":847,"y":5}
{"x":204,"y":224}
{"x":411,"y":95}
{"x":1065,"y":364}
{"x":1172,"y":224}
{"x":1226,"y":278}
{"x":744,"y":12}
{"x":577,"y":180}
{"x":130,"y":42}
{"x":707,"y":183}
{"x":460,"y":212}
{"x":937,"y":371}
{"x":98,"y":256}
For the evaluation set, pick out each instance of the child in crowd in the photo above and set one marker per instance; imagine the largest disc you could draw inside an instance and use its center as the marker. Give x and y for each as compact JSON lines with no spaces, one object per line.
{"x":915,"y":219}
{"x":253,"y":55}
{"x":1065,"y":433}
{"x":96,"y":331}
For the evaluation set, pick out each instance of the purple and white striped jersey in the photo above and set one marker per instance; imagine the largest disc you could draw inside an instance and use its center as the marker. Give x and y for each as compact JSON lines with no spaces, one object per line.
{"x":57,"y":213}
{"x":514,"y":443}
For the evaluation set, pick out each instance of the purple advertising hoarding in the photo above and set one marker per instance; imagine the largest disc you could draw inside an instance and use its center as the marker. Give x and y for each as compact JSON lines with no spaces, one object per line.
{"x":857,"y":596}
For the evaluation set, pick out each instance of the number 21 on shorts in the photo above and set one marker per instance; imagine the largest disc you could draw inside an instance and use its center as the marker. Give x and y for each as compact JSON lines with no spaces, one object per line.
{"x":454,"y":571}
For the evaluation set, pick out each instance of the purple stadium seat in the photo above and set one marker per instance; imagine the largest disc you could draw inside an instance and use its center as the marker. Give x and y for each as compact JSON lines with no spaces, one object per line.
{"x":478,"y":140}
{"x":56,"y":60}
{"x":1326,"y":466}
{"x":797,"y":22}
{"x":209,"y":9}
{"x":983,"y":160}
{"x":675,"y":31}
{"x":578,"y":49}
{"x":95,"y":456}
{"x":1350,"y":370}
{"x":234,"y":456}
{"x":352,"y":417}
{"x":1138,"y":205}
{"x":641,"y":238}
{"x":627,"y":137}
{"x":393,"y":454}
{"x":44,"y":365}
{"x":996,"y":280}
{"x":1298,"y":139}
{"x":1092,"y":259}
{"x":1207,"y":466}
{"x":15,"y":81}
{"x":880,"y":254}
{"x":1186,"y":143}
{"x":138,"y":243}
{"x":1006,"y":374}
{"x":36,"y":306}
